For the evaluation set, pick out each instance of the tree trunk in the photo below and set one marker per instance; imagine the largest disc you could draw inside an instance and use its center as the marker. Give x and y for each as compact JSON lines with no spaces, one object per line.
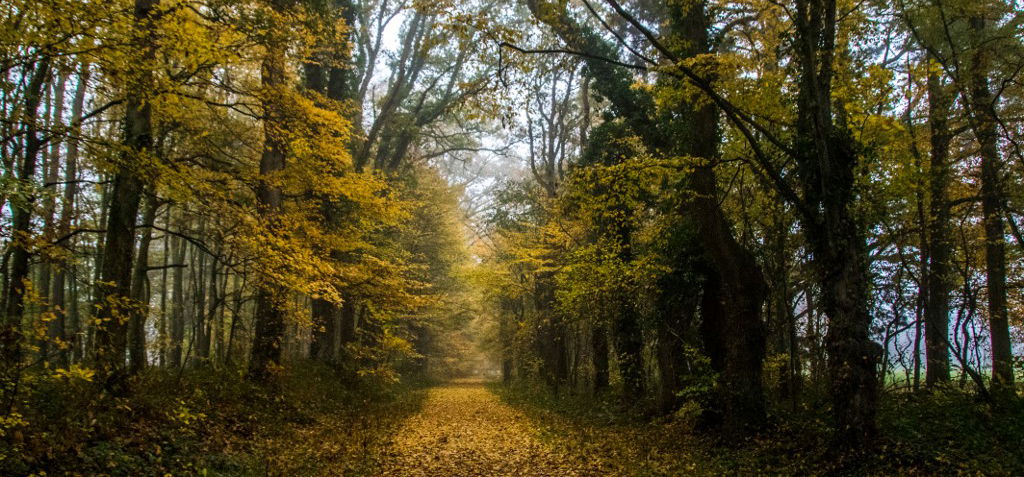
{"x":238,"y":284}
{"x":599,"y":345}
{"x":54,"y":329}
{"x":198,"y":309}
{"x":853,"y":356}
{"x":347,"y":324}
{"x":217,"y":334}
{"x":113,"y":307}
{"x":162,"y":330}
{"x":140,"y":290}
{"x":737,"y":283}
{"x":993,"y":195}
{"x":325,"y":330}
{"x":177,"y":318}
{"x":629,"y":345}
{"x":826,"y":164}
{"x":89,"y":333}
{"x":939,"y":277}
{"x":339,"y":87}
{"x":674,"y":326}
{"x":269,"y":325}
{"x":61,"y":278}
{"x":209,"y":313}
{"x":742,"y":292}
{"x":21,"y":230}
{"x":551,"y":333}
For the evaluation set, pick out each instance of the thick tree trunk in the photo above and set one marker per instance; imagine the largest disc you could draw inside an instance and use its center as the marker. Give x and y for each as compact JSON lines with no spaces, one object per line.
{"x":985,"y":125}
{"x":323,"y":313}
{"x":626,"y":330}
{"x":337,"y":84}
{"x":735,"y":290}
{"x":675,"y":325}
{"x":992,"y":198}
{"x":939,"y":276}
{"x":114,"y":307}
{"x":269,"y":325}
{"x":826,"y":164}
{"x":113,"y":303}
{"x":238,"y":284}
{"x":221,"y":309}
{"x":852,"y":355}
{"x":347,"y":325}
{"x":198,"y":309}
{"x":629,"y":344}
{"x":325,"y":330}
{"x":742,"y":293}
{"x":209,"y":312}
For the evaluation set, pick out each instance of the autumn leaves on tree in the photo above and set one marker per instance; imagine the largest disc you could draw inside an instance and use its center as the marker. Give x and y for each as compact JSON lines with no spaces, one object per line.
{"x":237,"y":202}
{"x":727,"y":128}
{"x":708,"y":212}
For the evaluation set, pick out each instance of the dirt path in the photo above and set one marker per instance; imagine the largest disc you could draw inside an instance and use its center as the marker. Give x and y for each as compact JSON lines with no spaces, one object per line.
{"x":465,"y":430}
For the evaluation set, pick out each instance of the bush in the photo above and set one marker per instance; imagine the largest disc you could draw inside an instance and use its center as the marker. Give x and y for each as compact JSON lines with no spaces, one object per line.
{"x":200,"y":421}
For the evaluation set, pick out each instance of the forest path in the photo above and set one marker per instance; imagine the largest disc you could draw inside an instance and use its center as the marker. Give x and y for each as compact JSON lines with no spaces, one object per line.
{"x":464,"y":429}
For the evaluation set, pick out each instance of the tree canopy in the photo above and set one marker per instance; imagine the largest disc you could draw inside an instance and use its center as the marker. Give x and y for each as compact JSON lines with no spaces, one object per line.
{"x":734,"y":215}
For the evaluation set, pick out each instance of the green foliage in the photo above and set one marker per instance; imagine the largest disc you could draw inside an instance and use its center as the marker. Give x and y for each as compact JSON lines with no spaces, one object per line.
{"x":944,"y":433}
{"x":207,"y":423}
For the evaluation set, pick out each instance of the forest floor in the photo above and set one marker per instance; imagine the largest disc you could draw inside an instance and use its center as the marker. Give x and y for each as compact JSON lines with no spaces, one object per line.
{"x":313,"y":424}
{"x":941,"y":433}
{"x":464,"y":429}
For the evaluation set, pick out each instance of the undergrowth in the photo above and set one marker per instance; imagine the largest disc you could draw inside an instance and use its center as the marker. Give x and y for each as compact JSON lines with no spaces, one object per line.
{"x":204,"y":422}
{"x":939,"y":433}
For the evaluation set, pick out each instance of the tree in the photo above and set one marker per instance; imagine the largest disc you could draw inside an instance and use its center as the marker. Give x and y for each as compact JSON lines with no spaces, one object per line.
{"x":113,"y":307}
{"x":269,"y":326}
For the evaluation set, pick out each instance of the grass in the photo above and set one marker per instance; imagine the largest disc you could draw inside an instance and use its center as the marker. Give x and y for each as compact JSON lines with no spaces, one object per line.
{"x":206,"y":422}
{"x":945,"y":433}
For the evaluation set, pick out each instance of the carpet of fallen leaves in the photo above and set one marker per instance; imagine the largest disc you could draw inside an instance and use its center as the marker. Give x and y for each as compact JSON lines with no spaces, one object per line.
{"x":465,"y":430}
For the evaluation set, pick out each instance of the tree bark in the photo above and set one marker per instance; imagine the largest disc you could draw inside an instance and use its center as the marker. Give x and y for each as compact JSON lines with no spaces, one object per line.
{"x":21,"y":231}
{"x":551,"y":334}
{"x":734,"y":290}
{"x":140,"y":290}
{"x":54,"y":329}
{"x":68,"y":205}
{"x":339,"y":88}
{"x":826,"y":162}
{"x":269,"y":325}
{"x":209,"y":311}
{"x":113,"y":303}
{"x":177,"y":315}
{"x":985,"y":124}
{"x":677,"y":319}
{"x":939,"y":275}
